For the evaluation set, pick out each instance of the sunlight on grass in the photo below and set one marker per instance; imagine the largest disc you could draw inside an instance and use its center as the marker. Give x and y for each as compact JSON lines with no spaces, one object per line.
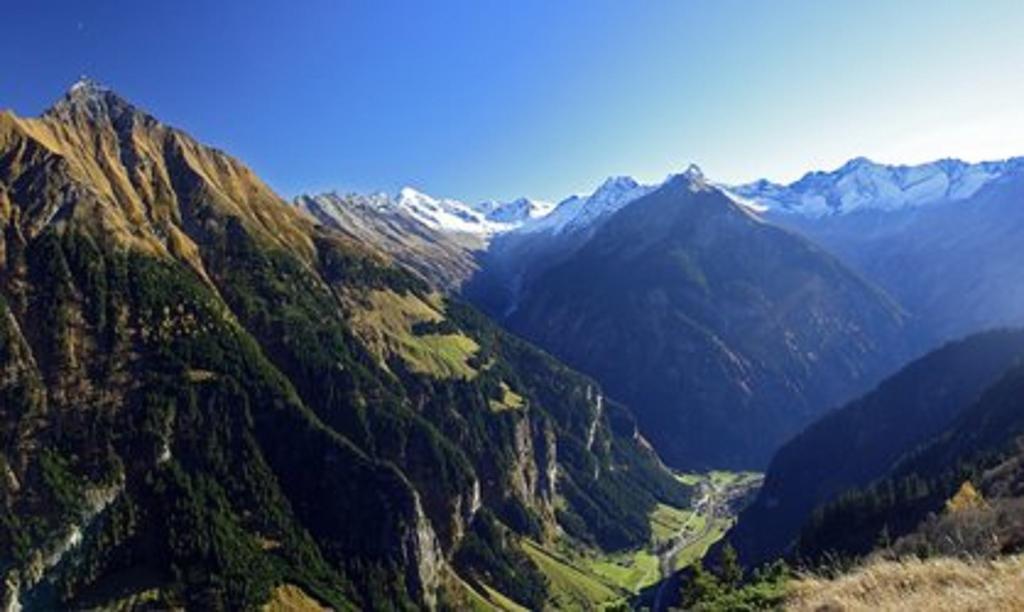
{"x":384,"y":321}
{"x":696,"y":551}
{"x":688,"y":479}
{"x":630,"y":571}
{"x":510,"y":400}
{"x":571,"y":587}
{"x":666,"y":521}
{"x":941,"y":584}
{"x":582,"y":577}
{"x":483,"y":598}
{"x":291,"y":598}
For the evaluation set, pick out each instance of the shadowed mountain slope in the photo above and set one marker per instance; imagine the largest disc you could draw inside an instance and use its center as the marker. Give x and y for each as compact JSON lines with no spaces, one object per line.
{"x":726,"y":334}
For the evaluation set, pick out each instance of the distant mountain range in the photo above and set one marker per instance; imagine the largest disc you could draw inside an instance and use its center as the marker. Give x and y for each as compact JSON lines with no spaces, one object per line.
{"x":858,"y":185}
{"x":863,"y":185}
{"x":445,"y":214}
{"x":940,"y":239}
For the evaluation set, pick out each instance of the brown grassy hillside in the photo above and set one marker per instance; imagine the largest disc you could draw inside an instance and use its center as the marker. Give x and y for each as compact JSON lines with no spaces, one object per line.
{"x":911,"y":584}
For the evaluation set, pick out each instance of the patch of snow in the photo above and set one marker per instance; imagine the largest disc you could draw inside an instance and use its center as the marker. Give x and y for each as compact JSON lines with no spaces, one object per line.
{"x":751,"y":205}
{"x":87,"y":86}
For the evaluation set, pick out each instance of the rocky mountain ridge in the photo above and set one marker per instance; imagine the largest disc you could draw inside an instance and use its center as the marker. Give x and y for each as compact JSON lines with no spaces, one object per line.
{"x":199,"y":379}
{"x":861,"y":184}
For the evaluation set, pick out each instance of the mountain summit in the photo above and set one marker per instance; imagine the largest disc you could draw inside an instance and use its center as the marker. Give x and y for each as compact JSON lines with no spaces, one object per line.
{"x":90,"y":100}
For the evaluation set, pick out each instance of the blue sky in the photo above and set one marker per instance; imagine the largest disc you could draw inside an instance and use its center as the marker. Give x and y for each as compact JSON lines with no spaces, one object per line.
{"x":486,"y":99}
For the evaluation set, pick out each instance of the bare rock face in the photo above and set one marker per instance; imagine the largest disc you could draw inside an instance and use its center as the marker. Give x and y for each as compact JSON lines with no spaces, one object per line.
{"x":534,"y":473}
{"x":425,"y":560}
{"x":444,"y":259}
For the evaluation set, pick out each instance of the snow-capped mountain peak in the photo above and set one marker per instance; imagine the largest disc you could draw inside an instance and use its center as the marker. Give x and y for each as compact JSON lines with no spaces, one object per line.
{"x":526,"y":215}
{"x":411,"y":193}
{"x":94,"y":101}
{"x":857,"y":163}
{"x":516,"y":211}
{"x":582,"y":211}
{"x":442,"y":213}
{"x":492,"y":217}
{"x":693,"y":175}
{"x":578,"y":212}
{"x":862,"y":184}
{"x":85,"y":86}
{"x":693,"y":171}
{"x":617,"y":183}
{"x":447,"y":214}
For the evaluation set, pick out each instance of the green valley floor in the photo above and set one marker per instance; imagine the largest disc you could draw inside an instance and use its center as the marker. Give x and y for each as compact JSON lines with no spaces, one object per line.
{"x":588,"y":579}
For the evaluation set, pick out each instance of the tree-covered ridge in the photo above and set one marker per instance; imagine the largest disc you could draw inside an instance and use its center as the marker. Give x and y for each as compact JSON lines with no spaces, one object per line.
{"x":865,"y":440}
{"x":195,"y":411}
{"x":979,"y":451}
{"x":190,"y":465}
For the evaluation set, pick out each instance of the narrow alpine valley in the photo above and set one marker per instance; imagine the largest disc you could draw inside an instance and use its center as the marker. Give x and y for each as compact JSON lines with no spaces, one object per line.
{"x":586,"y":306}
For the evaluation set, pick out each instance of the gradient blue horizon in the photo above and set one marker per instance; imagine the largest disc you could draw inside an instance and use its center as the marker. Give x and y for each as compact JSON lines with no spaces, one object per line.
{"x":485,"y":99}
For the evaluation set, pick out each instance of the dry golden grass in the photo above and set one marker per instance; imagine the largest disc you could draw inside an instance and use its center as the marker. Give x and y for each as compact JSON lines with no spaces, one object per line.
{"x":935,"y":584}
{"x":138,"y":203}
{"x":290,"y":598}
{"x":510,"y":400}
{"x":384,"y":320}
